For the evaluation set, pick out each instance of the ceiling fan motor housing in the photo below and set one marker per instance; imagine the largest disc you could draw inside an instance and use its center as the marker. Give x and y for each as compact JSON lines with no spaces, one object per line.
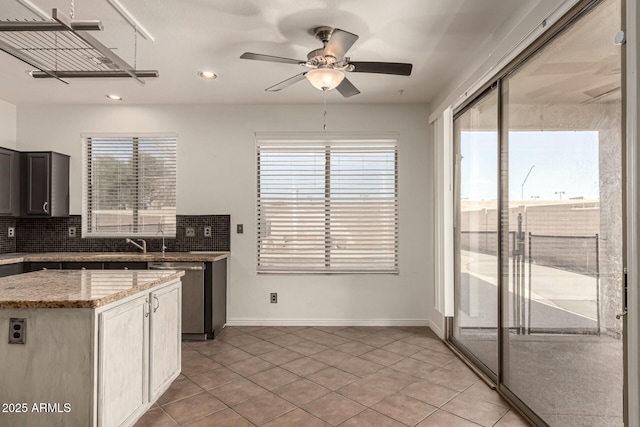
{"x":317,"y":58}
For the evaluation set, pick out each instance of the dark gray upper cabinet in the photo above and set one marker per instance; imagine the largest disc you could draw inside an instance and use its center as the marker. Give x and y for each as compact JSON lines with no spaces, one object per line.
{"x":9,"y":182}
{"x":45,"y":184}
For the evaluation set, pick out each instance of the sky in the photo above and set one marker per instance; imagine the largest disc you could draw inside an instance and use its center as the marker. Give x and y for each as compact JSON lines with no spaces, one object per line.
{"x":563,"y":161}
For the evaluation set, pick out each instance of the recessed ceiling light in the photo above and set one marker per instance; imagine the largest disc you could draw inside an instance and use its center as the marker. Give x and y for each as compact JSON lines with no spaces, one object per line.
{"x":114,"y":97}
{"x":210,"y":75}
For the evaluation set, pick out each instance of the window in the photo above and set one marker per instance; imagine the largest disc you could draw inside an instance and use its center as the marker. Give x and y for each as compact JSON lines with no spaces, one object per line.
{"x":327,"y":203}
{"x":129,"y":186}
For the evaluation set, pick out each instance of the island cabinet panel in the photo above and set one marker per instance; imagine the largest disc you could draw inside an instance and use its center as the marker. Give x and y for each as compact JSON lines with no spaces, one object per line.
{"x":165,"y":350}
{"x":123,"y":362}
{"x":50,"y":376}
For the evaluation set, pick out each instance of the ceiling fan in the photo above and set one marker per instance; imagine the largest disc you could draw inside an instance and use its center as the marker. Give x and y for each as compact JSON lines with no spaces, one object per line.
{"x":328,"y":63}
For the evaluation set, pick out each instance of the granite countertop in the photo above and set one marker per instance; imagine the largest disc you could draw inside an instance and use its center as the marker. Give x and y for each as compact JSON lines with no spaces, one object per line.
{"x":77,"y":288}
{"x":15,"y":258}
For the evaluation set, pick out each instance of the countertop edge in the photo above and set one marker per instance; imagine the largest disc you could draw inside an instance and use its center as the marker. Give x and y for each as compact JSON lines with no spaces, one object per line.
{"x":7,"y":259}
{"x":90,"y":304}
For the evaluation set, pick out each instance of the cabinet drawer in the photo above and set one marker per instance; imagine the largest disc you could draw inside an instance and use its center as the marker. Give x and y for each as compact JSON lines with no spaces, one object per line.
{"x":82,"y":266}
{"x":125,"y":266}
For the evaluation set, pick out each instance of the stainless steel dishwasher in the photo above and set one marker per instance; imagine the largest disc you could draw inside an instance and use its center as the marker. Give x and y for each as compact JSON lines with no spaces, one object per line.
{"x":194,"y":303}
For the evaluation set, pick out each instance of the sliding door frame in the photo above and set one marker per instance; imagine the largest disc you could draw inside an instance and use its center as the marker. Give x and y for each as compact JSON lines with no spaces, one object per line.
{"x":580,"y":9}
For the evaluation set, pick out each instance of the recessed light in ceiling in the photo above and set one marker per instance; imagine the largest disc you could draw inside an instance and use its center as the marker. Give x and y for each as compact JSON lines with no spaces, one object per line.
{"x":114,"y":97}
{"x":209,"y":75}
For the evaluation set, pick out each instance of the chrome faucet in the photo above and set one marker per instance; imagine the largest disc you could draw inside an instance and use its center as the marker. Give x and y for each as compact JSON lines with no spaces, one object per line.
{"x":164,"y":248}
{"x":142,"y":247}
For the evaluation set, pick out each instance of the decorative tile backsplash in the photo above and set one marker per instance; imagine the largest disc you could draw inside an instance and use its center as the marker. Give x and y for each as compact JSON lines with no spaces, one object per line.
{"x":52,"y":235}
{"x":7,"y":244}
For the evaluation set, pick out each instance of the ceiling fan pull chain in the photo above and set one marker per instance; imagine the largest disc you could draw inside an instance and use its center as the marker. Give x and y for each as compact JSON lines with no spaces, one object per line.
{"x":135,"y":48}
{"x":324,"y":127}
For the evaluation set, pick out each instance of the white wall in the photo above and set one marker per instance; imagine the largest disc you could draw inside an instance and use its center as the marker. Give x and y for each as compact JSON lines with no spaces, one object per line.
{"x":7,"y":125}
{"x":217,"y":175}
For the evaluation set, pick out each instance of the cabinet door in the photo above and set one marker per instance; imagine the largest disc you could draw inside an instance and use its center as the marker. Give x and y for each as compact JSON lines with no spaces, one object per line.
{"x":165,"y":342}
{"x":9,"y":182}
{"x":219,"y":291}
{"x":36,"y":185}
{"x":123,"y":362}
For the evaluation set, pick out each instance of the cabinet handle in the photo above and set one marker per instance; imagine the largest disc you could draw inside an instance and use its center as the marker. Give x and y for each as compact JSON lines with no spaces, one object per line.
{"x":157,"y":306}
{"x":146,"y":304}
{"x":44,"y":207}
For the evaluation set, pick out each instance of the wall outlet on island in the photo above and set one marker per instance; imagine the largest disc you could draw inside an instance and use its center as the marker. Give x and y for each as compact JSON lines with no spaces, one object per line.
{"x":11,"y":232}
{"x":17,"y":331}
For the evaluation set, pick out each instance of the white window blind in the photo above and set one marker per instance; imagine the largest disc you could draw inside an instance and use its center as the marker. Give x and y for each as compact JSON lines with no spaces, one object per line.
{"x":129,"y":186}
{"x":327,"y":203}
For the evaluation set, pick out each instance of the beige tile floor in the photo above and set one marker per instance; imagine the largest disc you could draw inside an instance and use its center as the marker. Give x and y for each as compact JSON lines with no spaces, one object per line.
{"x":321,"y":376}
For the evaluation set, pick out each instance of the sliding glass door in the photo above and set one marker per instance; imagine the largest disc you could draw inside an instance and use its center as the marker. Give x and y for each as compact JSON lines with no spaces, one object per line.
{"x":540,"y":254}
{"x":476,"y":294}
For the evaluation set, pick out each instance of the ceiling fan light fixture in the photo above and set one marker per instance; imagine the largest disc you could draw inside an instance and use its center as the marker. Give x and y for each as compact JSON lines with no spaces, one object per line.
{"x":325,"y":78}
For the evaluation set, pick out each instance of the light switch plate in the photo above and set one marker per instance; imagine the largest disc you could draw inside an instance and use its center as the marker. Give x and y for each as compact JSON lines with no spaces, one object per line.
{"x":11,"y":232}
{"x":190,"y":232}
{"x":239,"y":228}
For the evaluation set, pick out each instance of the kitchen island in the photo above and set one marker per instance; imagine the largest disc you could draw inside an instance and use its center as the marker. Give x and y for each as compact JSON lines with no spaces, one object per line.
{"x":87,"y":348}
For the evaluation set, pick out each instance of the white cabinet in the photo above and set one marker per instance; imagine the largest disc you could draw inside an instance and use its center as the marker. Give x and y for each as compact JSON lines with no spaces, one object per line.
{"x":164,"y":349}
{"x":123,"y":367}
{"x":139,"y":354}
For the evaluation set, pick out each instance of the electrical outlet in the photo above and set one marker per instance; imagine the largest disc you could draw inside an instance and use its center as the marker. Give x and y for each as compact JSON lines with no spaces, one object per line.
{"x":190,"y":232}
{"x":72,"y":232}
{"x":17,"y":330}
{"x":207,"y":232}
{"x":274,"y":298}
{"x":240,"y":228}
{"x":11,"y":232}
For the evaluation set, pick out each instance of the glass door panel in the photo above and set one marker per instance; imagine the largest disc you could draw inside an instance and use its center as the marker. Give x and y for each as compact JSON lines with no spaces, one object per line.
{"x":476,"y":276}
{"x":562,"y":235}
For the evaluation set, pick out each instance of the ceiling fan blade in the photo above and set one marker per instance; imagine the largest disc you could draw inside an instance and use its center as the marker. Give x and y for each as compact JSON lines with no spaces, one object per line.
{"x":285,"y":83}
{"x":269,"y":58}
{"x":397,"y":68}
{"x":347,"y":89}
{"x":339,"y":43}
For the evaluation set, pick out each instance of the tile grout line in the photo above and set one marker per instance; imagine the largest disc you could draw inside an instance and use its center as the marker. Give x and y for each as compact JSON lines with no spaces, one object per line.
{"x":299,"y":333}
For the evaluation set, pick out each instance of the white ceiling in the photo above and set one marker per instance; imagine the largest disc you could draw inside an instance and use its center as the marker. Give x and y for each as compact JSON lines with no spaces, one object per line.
{"x":437,"y":36}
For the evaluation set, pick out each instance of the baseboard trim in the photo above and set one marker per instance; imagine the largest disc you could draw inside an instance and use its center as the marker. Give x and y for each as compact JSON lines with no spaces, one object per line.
{"x":328,"y":322}
{"x":436,"y":329}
